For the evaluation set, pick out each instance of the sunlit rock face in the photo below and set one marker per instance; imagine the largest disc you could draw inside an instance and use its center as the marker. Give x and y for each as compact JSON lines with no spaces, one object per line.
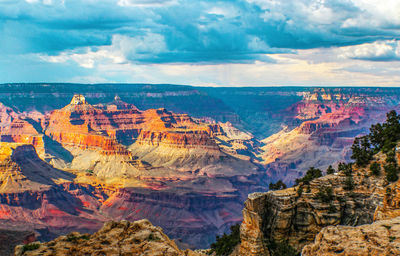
{"x":183,"y":157}
{"x":328,"y":123}
{"x":325,"y":227}
{"x":378,"y":238}
{"x":114,"y":238}
{"x":124,"y":163}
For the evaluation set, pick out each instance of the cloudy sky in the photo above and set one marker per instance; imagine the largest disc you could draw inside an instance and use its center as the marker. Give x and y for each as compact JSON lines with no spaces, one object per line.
{"x":205,"y":42}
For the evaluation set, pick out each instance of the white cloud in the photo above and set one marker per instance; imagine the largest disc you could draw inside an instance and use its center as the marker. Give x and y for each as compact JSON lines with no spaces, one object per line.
{"x":122,"y":50}
{"x":376,"y":51}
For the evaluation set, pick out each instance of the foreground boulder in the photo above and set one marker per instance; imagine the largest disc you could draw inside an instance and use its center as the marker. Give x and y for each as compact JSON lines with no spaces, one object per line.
{"x":114,"y":238}
{"x":379,"y":238}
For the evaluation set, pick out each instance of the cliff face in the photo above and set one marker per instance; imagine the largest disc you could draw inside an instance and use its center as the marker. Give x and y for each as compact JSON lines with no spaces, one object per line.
{"x":379,"y":238}
{"x":114,"y":161}
{"x":323,"y":133}
{"x":21,"y":170}
{"x":114,"y":238}
{"x":287,"y":216}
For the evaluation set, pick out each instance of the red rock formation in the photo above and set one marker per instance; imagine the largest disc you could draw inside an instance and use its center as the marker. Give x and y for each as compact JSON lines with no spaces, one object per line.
{"x":88,"y":127}
{"x":21,"y":131}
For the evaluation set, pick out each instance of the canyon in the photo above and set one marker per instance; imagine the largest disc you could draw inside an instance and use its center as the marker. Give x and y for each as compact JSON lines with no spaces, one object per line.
{"x":76,"y":156}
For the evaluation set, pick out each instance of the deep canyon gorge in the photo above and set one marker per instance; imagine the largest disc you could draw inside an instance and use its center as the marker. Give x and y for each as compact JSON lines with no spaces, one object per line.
{"x":74,"y":157}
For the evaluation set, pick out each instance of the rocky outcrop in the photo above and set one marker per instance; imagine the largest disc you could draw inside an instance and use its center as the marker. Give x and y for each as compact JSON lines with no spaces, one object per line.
{"x":379,"y":238}
{"x":114,"y":238}
{"x":295,"y":216}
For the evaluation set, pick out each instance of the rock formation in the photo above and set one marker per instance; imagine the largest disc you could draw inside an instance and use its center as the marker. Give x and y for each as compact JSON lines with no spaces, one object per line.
{"x":323,"y":134}
{"x":376,"y":239}
{"x":114,"y":238}
{"x":114,"y":161}
{"x":187,"y":170}
{"x":296,"y":215}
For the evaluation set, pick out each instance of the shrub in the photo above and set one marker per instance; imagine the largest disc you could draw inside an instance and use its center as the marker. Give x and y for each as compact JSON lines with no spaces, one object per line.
{"x":311,"y":174}
{"x":153,"y":237}
{"x":330,"y":170}
{"x":277,"y":186}
{"x":375,"y":168}
{"x":30,"y":247}
{"x":282,"y":249}
{"x":362,"y":151}
{"x":74,"y":239}
{"x":381,"y":137}
{"x":349,"y":183}
{"x":391,"y":157}
{"x":346,"y":168}
{"x":300,"y":191}
{"x":332,"y":208}
{"x":384,"y":136}
{"x":325,"y":194}
{"x":227,"y":242}
{"x":391,"y":172}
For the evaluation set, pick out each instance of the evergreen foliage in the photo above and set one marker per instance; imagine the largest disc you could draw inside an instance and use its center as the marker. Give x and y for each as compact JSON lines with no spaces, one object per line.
{"x":311,"y":174}
{"x":346,"y":168}
{"x":277,"y":186}
{"x":30,"y":247}
{"x":299,"y":190}
{"x":227,"y":242}
{"x":330,"y":170}
{"x":325,"y":194}
{"x":375,"y":169}
{"x":391,"y":171}
{"x":381,"y":137}
{"x":349,"y":183}
{"x":362,"y":151}
{"x":282,"y":249}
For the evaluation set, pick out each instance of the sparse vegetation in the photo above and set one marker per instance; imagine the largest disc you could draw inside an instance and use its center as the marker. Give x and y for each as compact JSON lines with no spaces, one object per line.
{"x":282,"y":249}
{"x":362,"y":151}
{"x":153,"y":237}
{"x":72,"y":238}
{"x":299,"y":190}
{"x":311,"y":174}
{"x":382,"y":137}
{"x":325,"y":194}
{"x":277,"y":186}
{"x":330,"y":170}
{"x":347,"y":169}
{"x":391,"y":171}
{"x":349,"y":183}
{"x":332,"y":208}
{"x":375,"y":169}
{"x":30,"y":247}
{"x":227,"y":242}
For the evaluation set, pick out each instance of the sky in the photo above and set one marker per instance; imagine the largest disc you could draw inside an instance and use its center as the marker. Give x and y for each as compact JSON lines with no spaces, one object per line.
{"x":204,"y":43}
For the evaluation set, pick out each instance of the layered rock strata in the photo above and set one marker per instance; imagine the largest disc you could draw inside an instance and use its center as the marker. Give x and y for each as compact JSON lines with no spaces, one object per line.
{"x":114,"y":238}
{"x":377,"y":239}
{"x":295,"y":216}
